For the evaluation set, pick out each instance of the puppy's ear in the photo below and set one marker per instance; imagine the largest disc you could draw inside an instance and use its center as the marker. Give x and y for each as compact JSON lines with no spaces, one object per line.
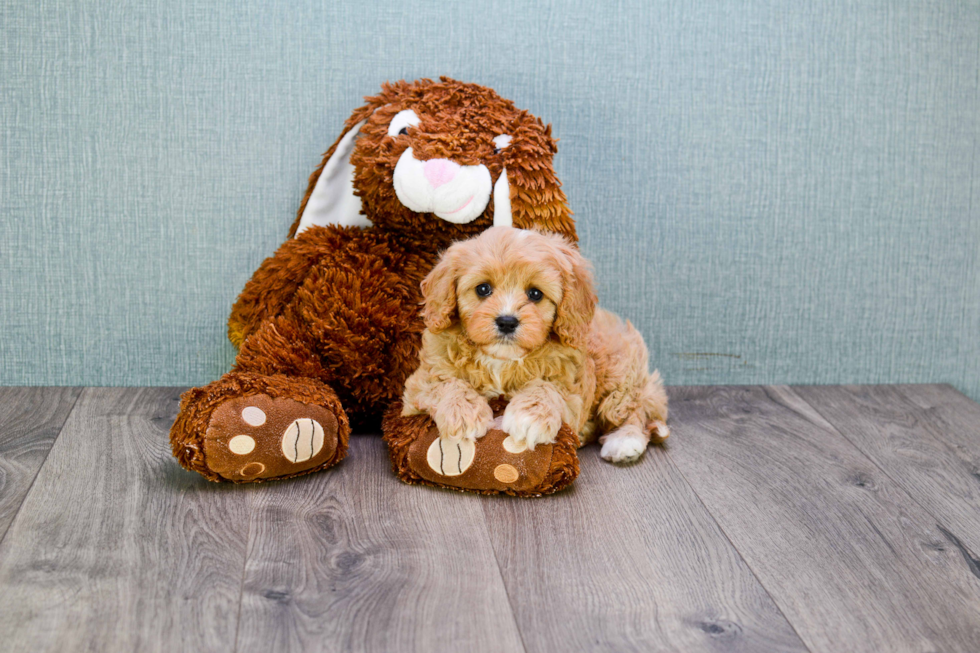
{"x":578,"y":302}
{"x":536,"y":198}
{"x":330,"y":197}
{"x":439,"y":293}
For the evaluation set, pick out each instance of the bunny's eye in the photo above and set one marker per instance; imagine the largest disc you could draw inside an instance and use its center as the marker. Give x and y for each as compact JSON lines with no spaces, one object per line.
{"x":484,"y":290}
{"x":500,"y":142}
{"x":401,"y":122}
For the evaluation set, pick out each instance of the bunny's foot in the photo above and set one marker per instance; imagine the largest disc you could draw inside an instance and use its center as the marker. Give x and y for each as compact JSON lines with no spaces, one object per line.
{"x":247,"y":428}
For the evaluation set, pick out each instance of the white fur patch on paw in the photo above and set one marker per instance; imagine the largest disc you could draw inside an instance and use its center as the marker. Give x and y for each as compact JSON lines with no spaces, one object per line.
{"x":468,"y":420}
{"x":623,"y":445}
{"x":525,"y":428}
{"x":511,"y":445}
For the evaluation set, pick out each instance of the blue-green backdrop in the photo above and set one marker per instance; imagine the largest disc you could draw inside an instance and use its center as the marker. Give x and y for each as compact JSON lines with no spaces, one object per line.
{"x":772,"y":191}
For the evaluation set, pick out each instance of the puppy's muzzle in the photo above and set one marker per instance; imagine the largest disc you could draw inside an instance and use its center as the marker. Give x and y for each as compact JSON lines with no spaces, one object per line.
{"x":507,"y":324}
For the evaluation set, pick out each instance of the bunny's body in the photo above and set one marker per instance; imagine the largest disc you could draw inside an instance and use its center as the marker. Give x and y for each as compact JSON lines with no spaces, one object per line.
{"x":328,"y":328}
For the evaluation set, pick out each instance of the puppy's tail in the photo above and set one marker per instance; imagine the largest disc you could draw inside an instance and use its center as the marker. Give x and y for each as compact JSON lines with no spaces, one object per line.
{"x":653,"y":407}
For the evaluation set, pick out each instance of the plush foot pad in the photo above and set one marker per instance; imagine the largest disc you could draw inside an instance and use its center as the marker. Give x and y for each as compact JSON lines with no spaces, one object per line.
{"x":493,"y":464}
{"x":258,"y":437}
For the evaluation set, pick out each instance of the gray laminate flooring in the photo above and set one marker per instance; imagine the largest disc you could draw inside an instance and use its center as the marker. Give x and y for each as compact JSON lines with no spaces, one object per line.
{"x":825,"y":518}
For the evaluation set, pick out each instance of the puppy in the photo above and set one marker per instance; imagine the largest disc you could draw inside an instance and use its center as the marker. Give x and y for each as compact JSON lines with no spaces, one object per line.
{"x":512,"y":313}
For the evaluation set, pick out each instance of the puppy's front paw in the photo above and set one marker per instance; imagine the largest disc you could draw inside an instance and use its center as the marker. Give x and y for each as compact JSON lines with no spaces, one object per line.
{"x":530,"y":423}
{"x":624,"y":445}
{"x":463,"y":418}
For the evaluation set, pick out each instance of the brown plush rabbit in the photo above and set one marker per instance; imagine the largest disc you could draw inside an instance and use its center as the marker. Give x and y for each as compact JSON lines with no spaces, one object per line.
{"x":328,"y":328}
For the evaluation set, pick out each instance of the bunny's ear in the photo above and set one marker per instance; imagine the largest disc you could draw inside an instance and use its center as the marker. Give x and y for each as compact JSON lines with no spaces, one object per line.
{"x":330,"y":197}
{"x":536,"y":197}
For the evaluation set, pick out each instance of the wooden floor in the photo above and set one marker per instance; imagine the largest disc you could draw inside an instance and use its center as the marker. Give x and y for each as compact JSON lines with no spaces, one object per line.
{"x":792,"y":519}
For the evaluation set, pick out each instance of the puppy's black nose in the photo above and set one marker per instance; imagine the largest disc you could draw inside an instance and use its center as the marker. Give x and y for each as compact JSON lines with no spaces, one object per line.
{"x":507,"y":324}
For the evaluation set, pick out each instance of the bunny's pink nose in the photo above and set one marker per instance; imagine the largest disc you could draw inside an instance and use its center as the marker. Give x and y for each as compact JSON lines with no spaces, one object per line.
{"x":440,"y":171}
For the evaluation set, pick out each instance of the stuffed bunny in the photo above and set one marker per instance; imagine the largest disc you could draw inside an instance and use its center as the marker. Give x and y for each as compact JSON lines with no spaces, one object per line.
{"x":329,"y":327}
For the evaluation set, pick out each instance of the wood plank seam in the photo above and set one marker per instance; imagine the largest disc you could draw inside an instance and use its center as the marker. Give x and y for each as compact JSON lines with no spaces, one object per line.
{"x":972,"y":562}
{"x":38,"y":470}
{"x":732,"y":544}
{"x":947,"y":604}
{"x":946,"y":445}
{"x":241,"y":585}
{"x":331,"y":554}
{"x":503,"y":581}
{"x":969,"y":559}
{"x":954,"y":540}
{"x":629,"y":552}
{"x":119,"y":548}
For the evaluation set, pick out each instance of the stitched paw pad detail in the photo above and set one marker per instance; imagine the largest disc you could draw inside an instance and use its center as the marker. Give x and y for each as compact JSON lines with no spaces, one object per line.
{"x":451,"y":456}
{"x":302,"y":440}
{"x":258,"y":437}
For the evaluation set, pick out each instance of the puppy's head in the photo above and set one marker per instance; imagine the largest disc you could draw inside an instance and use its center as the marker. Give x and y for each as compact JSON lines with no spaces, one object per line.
{"x":512,"y":290}
{"x":439,"y":159}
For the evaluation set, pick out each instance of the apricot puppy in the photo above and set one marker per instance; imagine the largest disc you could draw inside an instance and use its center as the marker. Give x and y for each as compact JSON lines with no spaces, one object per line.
{"x":512,"y":313}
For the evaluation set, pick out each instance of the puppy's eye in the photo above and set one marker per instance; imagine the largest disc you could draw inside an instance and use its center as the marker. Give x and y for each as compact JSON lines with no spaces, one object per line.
{"x":403,"y":131}
{"x":484,"y":290}
{"x":534,"y":294}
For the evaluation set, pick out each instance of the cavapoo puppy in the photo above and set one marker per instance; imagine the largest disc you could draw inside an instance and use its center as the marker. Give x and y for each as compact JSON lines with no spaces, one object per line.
{"x":512,"y":313}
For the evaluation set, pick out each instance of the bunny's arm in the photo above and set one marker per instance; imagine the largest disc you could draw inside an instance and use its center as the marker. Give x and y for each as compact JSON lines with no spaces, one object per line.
{"x":273,"y":285}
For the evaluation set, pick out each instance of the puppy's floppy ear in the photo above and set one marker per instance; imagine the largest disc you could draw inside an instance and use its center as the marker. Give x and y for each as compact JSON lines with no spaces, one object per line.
{"x":536,"y":198}
{"x":578,"y":302}
{"x":330,"y":197}
{"x":439,"y":293}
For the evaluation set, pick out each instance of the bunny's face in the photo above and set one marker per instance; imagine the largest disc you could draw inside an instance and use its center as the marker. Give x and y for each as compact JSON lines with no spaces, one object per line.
{"x":442,"y":160}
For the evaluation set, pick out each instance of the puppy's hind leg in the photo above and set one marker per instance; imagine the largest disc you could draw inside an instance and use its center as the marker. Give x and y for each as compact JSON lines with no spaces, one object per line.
{"x":647,"y":423}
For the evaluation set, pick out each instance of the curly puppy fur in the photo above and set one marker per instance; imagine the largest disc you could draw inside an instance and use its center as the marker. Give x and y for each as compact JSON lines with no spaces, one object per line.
{"x":338,"y":305}
{"x":512,"y":313}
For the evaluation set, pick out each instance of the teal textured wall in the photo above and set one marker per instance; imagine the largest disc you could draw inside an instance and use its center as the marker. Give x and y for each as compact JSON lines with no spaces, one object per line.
{"x":772,"y":191}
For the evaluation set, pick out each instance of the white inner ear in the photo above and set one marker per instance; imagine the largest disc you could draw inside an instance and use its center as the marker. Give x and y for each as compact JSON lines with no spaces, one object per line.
{"x":333,"y":200}
{"x":502,"y":217}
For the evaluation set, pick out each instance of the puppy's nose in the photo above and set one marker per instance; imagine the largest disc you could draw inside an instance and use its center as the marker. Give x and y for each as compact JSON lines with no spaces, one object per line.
{"x":440,"y":171}
{"x":507,"y":324}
